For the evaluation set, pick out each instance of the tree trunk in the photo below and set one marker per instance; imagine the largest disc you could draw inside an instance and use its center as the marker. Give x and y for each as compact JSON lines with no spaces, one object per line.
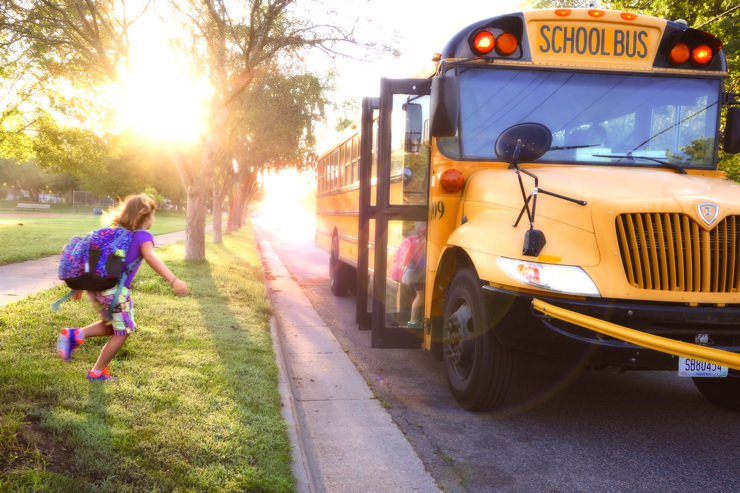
{"x":242,"y":203}
{"x":195,"y":222}
{"x":233,"y":193}
{"x":218,"y":200}
{"x":198,"y":188}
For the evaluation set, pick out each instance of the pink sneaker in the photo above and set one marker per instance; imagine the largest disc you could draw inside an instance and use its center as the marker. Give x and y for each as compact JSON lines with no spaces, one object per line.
{"x":69,"y":340}
{"x":103,"y":375}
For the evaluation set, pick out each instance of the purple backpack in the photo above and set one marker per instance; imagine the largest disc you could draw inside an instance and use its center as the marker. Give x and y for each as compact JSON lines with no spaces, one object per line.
{"x":95,"y":262}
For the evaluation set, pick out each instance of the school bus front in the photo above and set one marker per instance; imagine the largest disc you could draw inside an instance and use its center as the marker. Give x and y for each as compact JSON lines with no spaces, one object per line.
{"x":575,"y":169}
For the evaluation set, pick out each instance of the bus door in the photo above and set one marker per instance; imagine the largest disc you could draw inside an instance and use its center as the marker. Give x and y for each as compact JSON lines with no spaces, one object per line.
{"x":400,"y":213}
{"x":367,"y":207}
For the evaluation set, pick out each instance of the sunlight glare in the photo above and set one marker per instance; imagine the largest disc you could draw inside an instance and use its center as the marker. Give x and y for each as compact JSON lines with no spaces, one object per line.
{"x":159,"y":99}
{"x":289,"y":202}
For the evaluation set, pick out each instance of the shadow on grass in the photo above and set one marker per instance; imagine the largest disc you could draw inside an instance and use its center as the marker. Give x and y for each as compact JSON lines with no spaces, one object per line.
{"x":100,"y":459}
{"x":240,"y":339}
{"x":236,"y":313}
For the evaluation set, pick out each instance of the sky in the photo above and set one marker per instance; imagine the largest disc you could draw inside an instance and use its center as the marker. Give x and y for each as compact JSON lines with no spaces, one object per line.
{"x":416,"y":28}
{"x":155,"y":90}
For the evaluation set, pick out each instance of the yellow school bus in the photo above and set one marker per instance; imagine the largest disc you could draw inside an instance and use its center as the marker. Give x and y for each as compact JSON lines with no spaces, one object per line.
{"x":563,"y":164}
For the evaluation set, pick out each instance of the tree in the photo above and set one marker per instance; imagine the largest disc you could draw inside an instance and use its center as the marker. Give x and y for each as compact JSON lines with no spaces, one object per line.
{"x":26,"y":176}
{"x":56,"y":54}
{"x":273,"y":127}
{"x":347,"y":110}
{"x":235,"y":49}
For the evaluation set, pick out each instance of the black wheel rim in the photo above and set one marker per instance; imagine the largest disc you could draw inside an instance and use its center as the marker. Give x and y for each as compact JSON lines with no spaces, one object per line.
{"x":459,"y":345}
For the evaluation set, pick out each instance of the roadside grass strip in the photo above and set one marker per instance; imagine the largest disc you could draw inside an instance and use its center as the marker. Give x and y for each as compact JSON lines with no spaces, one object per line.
{"x":195,"y":407}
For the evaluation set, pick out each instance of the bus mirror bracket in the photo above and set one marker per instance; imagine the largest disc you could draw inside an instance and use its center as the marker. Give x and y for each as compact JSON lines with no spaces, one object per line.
{"x":732,"y":131}
{"x":444,"y":107}
{"x":526,"y":142}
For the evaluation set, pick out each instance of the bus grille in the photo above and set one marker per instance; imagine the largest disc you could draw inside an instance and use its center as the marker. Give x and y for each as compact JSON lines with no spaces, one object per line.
{"x":671,"y":251}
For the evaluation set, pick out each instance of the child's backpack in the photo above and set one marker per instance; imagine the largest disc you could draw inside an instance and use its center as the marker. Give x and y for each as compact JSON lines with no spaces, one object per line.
{"x":404,"y":255}
{"x":95,"y":262}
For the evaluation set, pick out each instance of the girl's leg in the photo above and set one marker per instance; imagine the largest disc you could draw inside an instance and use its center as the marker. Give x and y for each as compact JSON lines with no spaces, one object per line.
{"x":114,"y":344}
{"x":97,"y":329}
{"x":417,"y":305}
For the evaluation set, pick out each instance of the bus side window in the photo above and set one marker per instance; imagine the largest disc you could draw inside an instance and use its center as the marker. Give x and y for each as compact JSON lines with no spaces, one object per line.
{"x":412,"y":140}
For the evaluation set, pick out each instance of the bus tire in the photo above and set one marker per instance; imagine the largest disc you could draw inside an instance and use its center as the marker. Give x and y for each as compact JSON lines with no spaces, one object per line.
{"x":480,"y":370}
{"x":340,"y":274}
{"x":723,"y":392}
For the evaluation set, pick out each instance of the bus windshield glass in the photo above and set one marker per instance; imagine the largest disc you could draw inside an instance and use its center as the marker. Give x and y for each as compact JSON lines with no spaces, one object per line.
{"x":595,"y":118}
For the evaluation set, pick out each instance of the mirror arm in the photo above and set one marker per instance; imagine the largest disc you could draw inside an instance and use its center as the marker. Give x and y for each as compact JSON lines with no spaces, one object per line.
{"x":552,"y":194}
{"x":525,"y":207}
{"x":533,"y":196}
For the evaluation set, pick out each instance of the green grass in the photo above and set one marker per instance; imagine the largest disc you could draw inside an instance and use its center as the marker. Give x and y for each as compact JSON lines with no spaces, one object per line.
{"x":195,"y":408}
{"x":33,"y":235}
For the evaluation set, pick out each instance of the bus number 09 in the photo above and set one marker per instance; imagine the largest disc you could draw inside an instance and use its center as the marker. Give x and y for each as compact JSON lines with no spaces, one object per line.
{"x":437,"y":210}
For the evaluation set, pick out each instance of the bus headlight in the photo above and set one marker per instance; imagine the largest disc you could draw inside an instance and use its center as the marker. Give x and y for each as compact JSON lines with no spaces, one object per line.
{"x":568,"y":279}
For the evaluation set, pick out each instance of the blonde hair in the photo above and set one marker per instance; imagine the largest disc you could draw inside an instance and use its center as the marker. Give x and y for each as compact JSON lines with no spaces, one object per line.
{"x":133,"y":212}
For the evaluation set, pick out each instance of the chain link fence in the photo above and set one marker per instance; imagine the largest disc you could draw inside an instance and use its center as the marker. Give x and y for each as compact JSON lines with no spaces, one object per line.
{"x":88,"y":203}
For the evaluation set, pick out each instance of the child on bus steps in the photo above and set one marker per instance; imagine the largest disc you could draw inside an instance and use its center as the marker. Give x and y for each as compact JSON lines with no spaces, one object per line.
{"x":135,"y":213}
{"x":414,"y":272}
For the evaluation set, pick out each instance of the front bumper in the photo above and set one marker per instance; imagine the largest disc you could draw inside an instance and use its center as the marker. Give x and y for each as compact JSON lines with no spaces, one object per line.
{"x":616,"y":332}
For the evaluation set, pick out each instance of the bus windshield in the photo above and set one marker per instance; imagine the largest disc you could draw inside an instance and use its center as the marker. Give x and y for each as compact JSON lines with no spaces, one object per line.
{"x":595,"y":118}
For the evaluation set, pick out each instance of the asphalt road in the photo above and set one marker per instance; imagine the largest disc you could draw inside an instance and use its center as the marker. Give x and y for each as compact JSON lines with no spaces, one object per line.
{"x":588,"y":432}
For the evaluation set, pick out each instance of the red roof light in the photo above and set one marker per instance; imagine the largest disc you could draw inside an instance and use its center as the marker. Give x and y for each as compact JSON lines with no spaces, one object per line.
{"x":702,"y":54}
{"x":484,"y":42}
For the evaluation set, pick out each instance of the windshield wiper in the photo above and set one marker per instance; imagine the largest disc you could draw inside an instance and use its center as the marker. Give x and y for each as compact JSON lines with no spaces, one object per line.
{"x":631,"y":157}
{"x":565,"y":148}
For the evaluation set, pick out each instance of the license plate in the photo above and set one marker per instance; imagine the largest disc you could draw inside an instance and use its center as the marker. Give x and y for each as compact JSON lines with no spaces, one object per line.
{"x":688,"y":367}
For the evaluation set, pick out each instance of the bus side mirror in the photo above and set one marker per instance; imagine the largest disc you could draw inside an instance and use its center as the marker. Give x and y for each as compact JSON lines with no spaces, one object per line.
{"x":732,"y":131}
{"x":445,"y":106}
{"x":523,"y":143}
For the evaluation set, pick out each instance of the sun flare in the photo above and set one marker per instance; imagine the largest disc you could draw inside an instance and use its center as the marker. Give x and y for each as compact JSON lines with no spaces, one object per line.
{"x":159,"y":99}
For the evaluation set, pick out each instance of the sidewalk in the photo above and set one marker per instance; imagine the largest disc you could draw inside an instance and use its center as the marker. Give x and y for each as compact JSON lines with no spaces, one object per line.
{"x":343,"y":440}
{"x":24,"y":278}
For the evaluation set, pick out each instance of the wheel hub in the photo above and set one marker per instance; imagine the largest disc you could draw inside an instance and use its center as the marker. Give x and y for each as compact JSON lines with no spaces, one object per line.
{"x":456,"y":329}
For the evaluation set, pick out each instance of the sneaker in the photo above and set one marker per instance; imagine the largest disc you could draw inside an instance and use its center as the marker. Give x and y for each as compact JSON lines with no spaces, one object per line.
{"x":103,"y":375}
{"x":414,"y":324}
{"x":69,"y":340}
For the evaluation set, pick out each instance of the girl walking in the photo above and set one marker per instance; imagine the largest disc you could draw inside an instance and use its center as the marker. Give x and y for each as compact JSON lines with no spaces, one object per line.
{"x":136,"y":214}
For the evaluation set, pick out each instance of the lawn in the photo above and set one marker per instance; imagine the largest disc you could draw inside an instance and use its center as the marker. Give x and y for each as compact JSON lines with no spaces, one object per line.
{"x":34,"y":235}
{"x":195,"y":407}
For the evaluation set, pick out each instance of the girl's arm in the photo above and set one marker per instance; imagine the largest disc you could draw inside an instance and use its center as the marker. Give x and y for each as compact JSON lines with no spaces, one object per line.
{"x":147,"y":251}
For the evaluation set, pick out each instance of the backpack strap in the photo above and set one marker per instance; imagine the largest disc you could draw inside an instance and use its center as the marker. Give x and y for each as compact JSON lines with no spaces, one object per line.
{"x":57,"y":303}
{"x":121,"y":282}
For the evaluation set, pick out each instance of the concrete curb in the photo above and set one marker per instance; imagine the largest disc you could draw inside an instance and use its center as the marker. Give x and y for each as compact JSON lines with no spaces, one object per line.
{"x":344,"y":439}
{"x":301,"y":468}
